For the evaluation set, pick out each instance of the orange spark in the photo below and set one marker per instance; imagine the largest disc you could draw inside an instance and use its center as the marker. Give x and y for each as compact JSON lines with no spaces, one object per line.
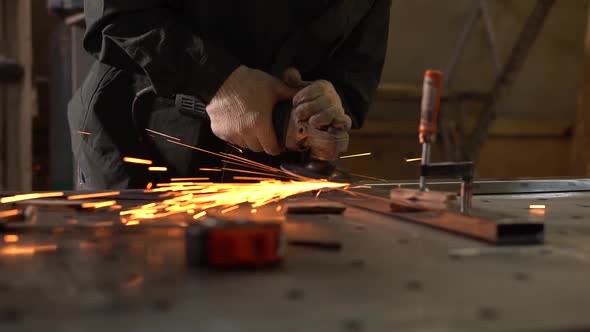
{"x":187,"y":198}
{"x":409,"y":160}
{"x":137,"y":161}
{"x":356,"y":155}
{"x":200,"y":215}
{"x":17,"y":251}
{"x":149,"y":186}
{"x":175,"y":184}
{"x":361,"y":187}
{"x":209,"y":170}
{"x":235,"y":147}
{"x":162,"y":134}
{"x":25,"y":197}
{"x":96,"y":195}
{"x":26,"y":250}
{"x":228,"y":156}
{"x":136,"y":211}
{"x":9,"y":213}
{"x":368,"y":177}
{"x":84,"y":133}
{"x":251,"y":162}
{"x":245,"y":171}
{"x":170,"y":189}
{"x":98,"y":205}
{"x":229,"y":209}
{"x":194,"y":148}
{"x":536,"y":206}
{"x":132,"y":223}
{"x":251,"y":178}
{"x":189,"y":179}
{"x":157,"y":169}
{"x":10,"y":238}
{"x":268,"y":170}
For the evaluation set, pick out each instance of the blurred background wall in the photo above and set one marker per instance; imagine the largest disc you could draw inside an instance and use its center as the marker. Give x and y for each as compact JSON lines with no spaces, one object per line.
{"x":533,"y":135}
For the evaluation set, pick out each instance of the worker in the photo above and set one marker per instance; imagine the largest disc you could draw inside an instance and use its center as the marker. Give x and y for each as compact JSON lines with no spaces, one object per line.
{"x":231,"y":55}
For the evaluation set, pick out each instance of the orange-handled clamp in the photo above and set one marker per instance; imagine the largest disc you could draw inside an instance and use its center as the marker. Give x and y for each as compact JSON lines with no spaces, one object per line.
{"x":431,"y":92}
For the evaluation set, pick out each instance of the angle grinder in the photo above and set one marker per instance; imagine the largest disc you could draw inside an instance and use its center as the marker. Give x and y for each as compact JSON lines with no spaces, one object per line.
{"x":321,"y":146}
{"x":324,"y":145}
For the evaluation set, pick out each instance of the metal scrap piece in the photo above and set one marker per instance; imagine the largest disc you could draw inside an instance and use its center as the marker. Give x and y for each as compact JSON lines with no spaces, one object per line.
{"x":418,"y":195}
{"x":412,"y":200}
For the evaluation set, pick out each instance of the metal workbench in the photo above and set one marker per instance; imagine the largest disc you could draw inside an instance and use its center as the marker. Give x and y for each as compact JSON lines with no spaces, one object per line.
{"x":390,"y":275}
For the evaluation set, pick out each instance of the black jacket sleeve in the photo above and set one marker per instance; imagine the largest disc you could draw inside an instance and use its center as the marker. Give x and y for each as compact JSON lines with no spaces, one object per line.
{"x":152,"y":37}
{"x":355,"y":69}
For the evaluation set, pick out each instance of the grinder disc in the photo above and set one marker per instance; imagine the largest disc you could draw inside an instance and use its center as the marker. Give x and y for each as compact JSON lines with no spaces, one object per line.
{"x":316,"y":169}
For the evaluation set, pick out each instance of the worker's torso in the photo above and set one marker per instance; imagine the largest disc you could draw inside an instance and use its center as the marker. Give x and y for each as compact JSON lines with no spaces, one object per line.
{"x":270,"y":35}
{"x":253,"y":30}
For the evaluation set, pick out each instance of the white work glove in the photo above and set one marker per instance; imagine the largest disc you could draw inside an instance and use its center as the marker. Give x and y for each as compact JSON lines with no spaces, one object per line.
{"x":241,"y":110}
{"x":317,"y":102}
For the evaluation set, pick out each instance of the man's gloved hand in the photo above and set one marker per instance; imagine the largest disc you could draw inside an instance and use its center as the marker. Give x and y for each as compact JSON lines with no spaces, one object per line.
{"x":241,"y":110}
{"x":317,"y":102}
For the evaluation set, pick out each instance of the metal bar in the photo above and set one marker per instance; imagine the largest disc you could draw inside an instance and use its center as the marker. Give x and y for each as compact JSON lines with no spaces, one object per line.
{"x":514,"y":64}
{"x":491,"y":187}
{"x":425,"y":161}
{"x":447,"y":169}
{"x":462,"y":41}
{"x":491,"y":36}
{"x":466,"y":193}
{"x":509,"y":233}
{"x":491,"y":227}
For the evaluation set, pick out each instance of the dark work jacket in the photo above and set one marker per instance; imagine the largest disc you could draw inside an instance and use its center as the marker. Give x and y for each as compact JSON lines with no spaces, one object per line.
{"x":190,"y":47}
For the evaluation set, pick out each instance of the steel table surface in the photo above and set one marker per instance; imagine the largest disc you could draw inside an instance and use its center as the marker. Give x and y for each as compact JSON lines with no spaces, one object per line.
{"x":390,"y":275}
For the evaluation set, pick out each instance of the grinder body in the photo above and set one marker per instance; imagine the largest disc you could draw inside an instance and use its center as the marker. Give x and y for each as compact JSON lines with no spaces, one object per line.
{"x":324,"y":145}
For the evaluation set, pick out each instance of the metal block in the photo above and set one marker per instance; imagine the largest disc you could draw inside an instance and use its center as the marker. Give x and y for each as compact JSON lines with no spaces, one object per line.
{"x":417,"y":195}
{"x":498,"y":231}
{"x":498,"y":187}
{"x":489,"y":226}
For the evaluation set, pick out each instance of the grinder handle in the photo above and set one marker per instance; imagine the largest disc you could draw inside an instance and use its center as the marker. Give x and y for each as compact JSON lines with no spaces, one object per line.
{"x":294,"y":135}
{"x":431,"y":92}
{"x":195,"y":108}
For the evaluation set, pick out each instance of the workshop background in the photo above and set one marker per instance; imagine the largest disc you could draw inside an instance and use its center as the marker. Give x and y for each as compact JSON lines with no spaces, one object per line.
{"x":538,"y":132}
